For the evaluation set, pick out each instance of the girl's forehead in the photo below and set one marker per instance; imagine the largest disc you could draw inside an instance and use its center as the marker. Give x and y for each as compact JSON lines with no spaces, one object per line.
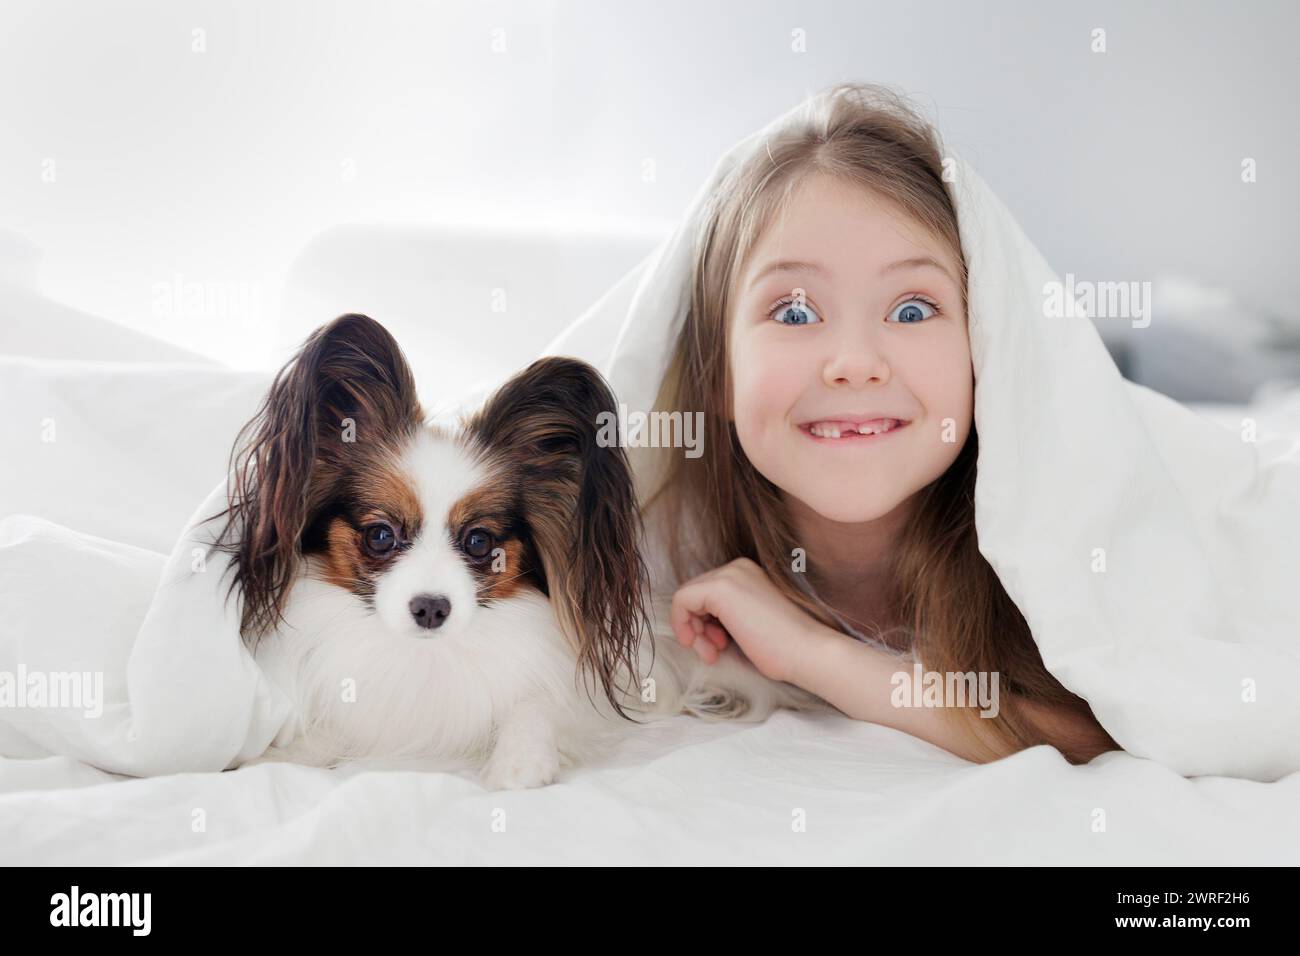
{"x":841,"y":226}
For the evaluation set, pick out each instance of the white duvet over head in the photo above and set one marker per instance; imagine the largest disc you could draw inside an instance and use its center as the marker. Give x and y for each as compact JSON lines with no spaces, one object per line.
{"x":1154,"y":554}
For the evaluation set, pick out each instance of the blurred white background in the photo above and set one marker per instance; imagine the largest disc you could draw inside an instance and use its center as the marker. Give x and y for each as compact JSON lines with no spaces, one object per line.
{"x":154,"y":147}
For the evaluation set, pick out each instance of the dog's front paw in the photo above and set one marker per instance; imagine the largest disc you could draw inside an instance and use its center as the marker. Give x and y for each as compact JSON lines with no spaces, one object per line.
{"x":518,"y":768}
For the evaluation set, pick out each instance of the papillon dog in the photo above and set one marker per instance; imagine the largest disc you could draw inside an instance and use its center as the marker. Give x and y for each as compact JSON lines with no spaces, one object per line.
{"x":453,"y":593}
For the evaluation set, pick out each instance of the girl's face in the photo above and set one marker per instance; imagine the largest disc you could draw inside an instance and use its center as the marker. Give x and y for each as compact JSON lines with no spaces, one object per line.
{"x":875,"y":333}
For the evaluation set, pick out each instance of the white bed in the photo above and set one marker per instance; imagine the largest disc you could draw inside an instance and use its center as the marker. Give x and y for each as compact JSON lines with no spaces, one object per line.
{"x":796,"y":789}
{"x":139,"y":444}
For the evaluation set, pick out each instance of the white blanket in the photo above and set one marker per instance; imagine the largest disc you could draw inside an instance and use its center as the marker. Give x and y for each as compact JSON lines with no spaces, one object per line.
{"x":1192,"y":613}
{"x":108,"y":456}
{"x":797,"y":789}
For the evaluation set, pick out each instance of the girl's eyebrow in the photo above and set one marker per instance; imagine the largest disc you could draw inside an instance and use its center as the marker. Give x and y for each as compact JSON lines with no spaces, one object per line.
{"x":789,"y":265}
{"x":799,"y":265}
{"x":919,"y":262}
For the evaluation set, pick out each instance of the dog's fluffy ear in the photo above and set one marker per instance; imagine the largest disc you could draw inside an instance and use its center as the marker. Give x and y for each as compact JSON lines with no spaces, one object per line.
{"x":349,"y":386}
{"x":581,"y":508}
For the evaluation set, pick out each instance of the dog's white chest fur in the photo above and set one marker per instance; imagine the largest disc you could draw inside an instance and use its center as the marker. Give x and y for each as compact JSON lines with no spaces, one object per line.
{"x":503,"y":696}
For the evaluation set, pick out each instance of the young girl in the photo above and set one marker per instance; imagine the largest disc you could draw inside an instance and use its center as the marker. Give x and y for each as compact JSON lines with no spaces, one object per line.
{"x":829,"y":291}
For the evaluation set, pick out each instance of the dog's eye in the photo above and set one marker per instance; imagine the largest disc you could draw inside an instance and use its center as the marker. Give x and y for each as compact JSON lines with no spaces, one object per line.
{"x":380,"y":539}
{"x":478,"y":543}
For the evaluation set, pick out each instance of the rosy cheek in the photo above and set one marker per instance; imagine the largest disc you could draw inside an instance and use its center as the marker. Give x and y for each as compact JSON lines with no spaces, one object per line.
{"x":766,"y":385}
{"x":943,"y":383}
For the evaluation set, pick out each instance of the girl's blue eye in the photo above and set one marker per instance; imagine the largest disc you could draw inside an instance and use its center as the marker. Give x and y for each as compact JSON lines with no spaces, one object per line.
{"x":788,"y":313}
{"x":913,"y":310}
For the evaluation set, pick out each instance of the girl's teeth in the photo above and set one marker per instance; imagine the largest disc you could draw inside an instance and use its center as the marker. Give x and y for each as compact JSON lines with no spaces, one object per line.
{"x":823,"y":430}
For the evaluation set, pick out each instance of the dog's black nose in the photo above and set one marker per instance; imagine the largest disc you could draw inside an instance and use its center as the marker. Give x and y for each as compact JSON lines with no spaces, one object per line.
{"x":430,"y":611}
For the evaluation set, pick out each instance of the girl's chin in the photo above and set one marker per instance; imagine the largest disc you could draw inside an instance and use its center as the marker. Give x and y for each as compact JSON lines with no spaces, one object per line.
{"x":850,"y":512}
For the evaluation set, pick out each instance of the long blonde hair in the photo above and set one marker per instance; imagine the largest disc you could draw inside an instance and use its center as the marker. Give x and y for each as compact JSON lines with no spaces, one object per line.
{"x":943,"y":594}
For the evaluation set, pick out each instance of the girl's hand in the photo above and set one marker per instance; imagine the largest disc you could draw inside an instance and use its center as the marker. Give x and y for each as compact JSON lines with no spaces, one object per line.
{"x":738,"y":601}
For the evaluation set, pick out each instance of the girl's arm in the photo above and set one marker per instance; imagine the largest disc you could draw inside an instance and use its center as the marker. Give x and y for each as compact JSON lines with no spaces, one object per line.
{"x":857,"y":679}
{"x":738,"y":601}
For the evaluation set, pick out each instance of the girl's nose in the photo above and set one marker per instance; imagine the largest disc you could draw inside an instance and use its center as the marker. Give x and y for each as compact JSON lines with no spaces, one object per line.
{"x":856,"y":365}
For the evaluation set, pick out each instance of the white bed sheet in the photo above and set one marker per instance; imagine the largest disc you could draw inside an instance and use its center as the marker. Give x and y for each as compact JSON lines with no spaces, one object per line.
{"x":680,"y":792}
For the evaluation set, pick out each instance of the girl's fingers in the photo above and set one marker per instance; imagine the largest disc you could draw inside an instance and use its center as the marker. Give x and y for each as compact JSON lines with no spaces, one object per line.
{"x":681,"y":617}
{"x":705,"y":649}
{"x":695,"y":623}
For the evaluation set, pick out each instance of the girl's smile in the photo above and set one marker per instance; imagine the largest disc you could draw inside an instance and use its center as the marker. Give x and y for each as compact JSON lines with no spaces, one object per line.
{"x":839,"y":432}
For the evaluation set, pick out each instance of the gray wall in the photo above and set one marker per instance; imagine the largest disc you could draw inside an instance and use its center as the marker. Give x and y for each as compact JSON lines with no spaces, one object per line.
{"x":220,"y":166}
